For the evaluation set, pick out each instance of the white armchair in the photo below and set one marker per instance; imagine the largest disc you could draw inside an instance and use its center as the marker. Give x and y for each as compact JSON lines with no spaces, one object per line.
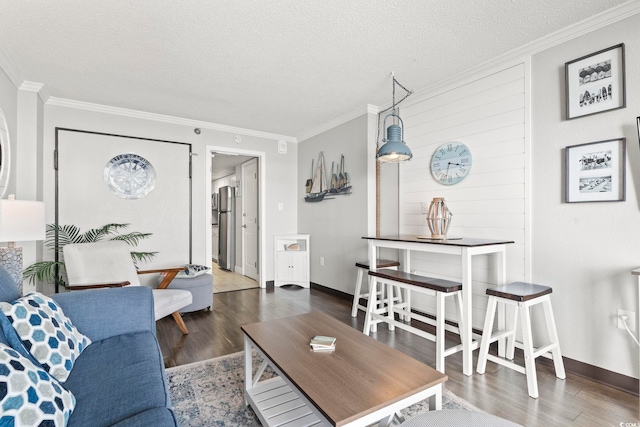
{"x":109,"y":264}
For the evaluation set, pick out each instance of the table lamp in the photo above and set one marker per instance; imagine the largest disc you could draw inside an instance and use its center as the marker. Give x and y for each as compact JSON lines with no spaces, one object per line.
{"x":20,"y":221}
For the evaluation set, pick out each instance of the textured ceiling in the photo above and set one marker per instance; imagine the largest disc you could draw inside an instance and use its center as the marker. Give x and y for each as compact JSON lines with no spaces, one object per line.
{"x":283,"y":67}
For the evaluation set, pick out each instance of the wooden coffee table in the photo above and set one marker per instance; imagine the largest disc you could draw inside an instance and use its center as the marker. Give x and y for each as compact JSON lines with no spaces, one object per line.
{"x":362,"y":382}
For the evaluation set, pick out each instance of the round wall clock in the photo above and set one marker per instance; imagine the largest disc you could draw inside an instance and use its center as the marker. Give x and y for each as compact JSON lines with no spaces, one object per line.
{"x":451,"y":163}
{"x":130,"y":176}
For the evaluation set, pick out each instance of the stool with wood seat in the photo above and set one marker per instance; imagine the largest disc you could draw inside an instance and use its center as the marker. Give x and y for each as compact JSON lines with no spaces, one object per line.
{"x":439,"y":288}
{"x":362,"y":268}
{"x":522,"y":296}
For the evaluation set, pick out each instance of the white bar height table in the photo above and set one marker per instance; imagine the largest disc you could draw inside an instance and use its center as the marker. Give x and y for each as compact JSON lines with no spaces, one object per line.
{"x":465,"y":248}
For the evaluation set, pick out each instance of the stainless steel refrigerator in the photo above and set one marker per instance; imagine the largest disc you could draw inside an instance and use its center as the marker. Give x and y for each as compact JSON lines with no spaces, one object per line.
{"x":227,"y":228}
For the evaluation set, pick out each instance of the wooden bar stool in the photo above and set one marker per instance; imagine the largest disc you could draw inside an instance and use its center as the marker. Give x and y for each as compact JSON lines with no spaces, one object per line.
{"x":522,"y":296}
{"x":363,"y":268}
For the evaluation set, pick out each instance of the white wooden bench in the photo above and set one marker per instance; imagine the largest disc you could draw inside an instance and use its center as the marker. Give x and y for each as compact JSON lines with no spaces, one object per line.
{"x":439,"y":288}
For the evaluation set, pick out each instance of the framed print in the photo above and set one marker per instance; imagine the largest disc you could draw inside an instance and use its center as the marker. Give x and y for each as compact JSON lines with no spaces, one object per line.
{"x":595,"y":172}
{"x":595,"y":83}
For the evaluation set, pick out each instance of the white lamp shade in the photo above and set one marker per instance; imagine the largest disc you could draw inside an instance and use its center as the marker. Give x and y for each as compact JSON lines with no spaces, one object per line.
{"x":21,"y":221}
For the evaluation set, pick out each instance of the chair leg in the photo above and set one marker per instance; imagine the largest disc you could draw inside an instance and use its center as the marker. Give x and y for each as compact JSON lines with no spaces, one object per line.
{"x":356,"y":295}
{"x":440,"y":335}
{"x":390,"y":313}
{"x":512,"y":323}
{"x":407,"y":304}
{"x":459,"y":311}
{"x":486,"y":335}
{"x":529,"y":358}
{"x":553,"y":337}
{"x":180,"y":322}
{"x":372,"y":304}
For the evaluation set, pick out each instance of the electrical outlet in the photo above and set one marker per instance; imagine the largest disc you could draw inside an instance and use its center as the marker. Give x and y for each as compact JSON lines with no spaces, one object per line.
{"x":322,"y":261}
{"x":423,"y":208}
{"x":631,"y":319}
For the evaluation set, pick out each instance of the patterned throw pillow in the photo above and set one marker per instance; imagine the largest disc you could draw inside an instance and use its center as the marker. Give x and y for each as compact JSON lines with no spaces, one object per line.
{"x":46,"y":333}
{"x":28,"y":395}
{"x":192,"y":270}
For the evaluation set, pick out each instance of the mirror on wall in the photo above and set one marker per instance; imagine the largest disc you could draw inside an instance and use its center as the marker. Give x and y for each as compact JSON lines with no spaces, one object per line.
{"x":5,"y":157}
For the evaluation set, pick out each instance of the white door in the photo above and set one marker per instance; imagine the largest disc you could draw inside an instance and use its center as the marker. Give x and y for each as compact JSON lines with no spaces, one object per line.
{"x":89,"y":201}
{"x":250,"y":218}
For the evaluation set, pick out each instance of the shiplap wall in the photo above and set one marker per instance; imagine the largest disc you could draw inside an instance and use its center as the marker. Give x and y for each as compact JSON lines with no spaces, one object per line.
{"x":489,"y":116}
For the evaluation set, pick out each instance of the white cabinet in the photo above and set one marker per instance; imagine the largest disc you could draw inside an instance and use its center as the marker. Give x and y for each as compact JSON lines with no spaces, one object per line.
{"x":292,"y":260}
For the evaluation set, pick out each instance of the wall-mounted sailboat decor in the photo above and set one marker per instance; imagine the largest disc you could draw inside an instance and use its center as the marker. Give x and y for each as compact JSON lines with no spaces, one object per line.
{"x":317,"y":188}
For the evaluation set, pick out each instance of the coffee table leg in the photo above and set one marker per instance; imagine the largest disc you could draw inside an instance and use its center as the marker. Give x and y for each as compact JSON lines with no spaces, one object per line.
{"x":248,"y":368}
{"x":386,"y":421}
{"x":435,"y":401}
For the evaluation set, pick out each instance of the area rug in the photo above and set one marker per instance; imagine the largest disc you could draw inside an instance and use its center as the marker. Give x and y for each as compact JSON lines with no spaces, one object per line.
{"x":211,"y":393}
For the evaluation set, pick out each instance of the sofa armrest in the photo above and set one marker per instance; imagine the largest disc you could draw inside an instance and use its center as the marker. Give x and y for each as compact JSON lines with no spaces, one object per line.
{"x":104,"y":313}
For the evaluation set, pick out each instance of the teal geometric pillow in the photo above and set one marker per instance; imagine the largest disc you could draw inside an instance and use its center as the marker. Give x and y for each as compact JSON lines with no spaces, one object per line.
{"x":28,"y":395}
{"x":46,"y":333}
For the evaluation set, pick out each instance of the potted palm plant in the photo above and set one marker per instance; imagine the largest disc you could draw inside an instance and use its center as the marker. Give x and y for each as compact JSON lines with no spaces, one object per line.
{"x":60,"y":235}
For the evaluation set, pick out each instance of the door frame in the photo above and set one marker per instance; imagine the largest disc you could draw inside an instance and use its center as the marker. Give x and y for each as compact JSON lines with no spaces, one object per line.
{"x":244,"y":201}
{"x":261,"y":157}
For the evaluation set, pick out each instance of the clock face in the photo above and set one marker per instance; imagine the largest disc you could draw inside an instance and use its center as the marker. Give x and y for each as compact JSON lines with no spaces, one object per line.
{"x":451,"y":163}
{"x":130,"y":176}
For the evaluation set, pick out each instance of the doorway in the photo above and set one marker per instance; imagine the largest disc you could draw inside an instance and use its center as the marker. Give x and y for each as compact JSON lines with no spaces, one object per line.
{"x":235,"y":239}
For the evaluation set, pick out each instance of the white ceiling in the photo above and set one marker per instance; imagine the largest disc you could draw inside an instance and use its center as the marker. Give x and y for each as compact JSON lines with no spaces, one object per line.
{"x":284,"y":67}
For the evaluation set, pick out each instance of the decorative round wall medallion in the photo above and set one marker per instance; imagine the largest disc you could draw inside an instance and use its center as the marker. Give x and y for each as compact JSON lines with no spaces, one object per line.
{"x":129,"y":176}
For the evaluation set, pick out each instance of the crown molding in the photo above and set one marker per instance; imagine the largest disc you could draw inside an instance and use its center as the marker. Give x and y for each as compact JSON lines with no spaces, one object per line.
{"x":137,"y":114}
{"x":368,"y":109}
{"x":608,"y":17}
{"x":38,"y":88}
{"x":518,"y":55}
{"x":9,"y":67}
{"x":602,"y":19}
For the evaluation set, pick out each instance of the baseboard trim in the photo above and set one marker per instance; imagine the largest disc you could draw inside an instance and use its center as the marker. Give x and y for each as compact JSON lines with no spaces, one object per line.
{"x":594,"y":373}
{"x":331,"y":291}
{"x":600,"y":375}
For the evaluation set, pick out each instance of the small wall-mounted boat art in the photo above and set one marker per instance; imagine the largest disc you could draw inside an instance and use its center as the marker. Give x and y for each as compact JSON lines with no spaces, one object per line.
{"x":341,"y":183}
{"x":319,"y":187}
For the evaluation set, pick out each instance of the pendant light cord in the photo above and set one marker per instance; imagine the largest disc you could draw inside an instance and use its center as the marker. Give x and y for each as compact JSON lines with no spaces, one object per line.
{"x":393,"y":106}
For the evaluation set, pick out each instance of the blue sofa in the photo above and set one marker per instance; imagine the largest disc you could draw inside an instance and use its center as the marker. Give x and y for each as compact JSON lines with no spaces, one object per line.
{"x":118,"y":380}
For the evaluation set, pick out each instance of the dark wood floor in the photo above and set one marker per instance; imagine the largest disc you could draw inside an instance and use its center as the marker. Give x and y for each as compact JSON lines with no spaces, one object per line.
{"x":575,"y":401}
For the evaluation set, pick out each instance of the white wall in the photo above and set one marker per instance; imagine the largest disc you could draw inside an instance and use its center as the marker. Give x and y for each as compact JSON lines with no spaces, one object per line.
{"x":337,"y":226}
{"x":22,"y":110}
{"x":9,"y":105}
{"x":280,"y":170}
{"x":487,"y":114}
{"x":586,"y":250}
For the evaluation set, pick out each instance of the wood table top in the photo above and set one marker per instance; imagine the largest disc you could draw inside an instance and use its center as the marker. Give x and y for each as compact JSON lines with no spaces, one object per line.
{"x":464,"y":241}
{"x":362,"y":375}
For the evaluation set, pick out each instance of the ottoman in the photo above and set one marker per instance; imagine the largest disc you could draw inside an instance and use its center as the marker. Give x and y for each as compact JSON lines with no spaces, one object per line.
{"x":457,"y":418}
{"x":201,"y":288}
